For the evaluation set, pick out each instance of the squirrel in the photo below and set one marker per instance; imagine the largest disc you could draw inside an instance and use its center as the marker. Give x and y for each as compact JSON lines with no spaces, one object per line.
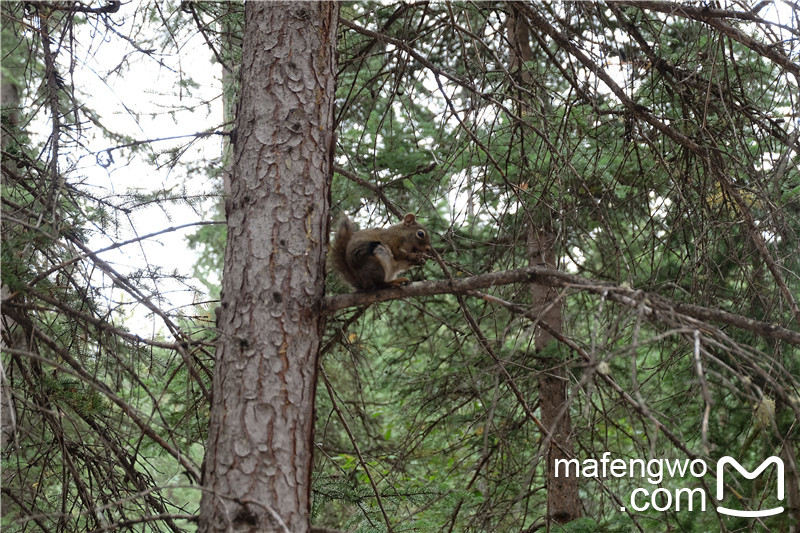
{"x":372,"y":258}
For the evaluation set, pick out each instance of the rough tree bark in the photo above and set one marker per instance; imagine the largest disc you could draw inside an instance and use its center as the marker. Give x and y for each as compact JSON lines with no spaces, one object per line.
{"x":257,"y":470}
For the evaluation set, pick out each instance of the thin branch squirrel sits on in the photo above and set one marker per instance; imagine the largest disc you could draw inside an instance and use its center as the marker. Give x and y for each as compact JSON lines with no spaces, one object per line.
{"x":372,"y":258}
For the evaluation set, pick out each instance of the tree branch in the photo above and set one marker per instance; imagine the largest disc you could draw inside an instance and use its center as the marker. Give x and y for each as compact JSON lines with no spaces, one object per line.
{"x":713,"y":17}
{"x":650,"y":303}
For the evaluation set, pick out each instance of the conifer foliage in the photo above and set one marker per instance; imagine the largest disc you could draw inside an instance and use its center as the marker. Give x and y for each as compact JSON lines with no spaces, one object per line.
{"x":613,"y":193}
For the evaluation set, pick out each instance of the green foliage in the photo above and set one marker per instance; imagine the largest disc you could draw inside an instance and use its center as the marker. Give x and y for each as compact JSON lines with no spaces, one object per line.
{"x":99,"y":424}
{"x":684,"y":194}
{"x":632,"y":207}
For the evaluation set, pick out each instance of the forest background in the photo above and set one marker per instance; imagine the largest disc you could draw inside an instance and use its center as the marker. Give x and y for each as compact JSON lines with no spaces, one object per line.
{"x":614,"y":197}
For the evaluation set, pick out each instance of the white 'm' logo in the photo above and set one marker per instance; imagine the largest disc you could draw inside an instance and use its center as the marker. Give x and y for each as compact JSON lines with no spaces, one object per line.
{"x":739,"y":468}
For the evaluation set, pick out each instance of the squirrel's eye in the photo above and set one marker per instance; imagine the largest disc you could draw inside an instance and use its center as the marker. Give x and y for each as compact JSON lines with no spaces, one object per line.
{"x":421,"y":234}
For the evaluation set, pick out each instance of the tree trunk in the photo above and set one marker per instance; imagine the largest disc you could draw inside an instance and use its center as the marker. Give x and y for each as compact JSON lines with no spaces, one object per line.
{"x":563,"y":499}
{"x":257,"y":470}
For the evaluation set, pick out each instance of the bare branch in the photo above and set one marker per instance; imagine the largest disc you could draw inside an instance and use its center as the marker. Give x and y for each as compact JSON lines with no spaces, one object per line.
{"x":629,"y":297}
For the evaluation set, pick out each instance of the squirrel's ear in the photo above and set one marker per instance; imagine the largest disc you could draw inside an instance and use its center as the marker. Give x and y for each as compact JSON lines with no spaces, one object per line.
{"x":409,"y":219}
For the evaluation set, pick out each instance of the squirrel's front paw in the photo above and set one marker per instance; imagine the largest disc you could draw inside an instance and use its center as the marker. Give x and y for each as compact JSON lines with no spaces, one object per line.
{"x":417,"y":258}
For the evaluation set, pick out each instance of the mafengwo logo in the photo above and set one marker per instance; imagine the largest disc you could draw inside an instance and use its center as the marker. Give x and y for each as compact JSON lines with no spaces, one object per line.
{"x":777,"y":461}
{"x":661,"y":499}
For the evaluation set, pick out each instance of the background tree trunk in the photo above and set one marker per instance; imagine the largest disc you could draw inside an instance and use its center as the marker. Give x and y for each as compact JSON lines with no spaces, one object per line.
{"x":258,"y":463}
{"x":563,"y":499}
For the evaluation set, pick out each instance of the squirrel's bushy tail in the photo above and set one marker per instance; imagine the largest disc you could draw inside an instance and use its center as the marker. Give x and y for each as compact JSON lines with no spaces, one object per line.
{"x":344,"y":232}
